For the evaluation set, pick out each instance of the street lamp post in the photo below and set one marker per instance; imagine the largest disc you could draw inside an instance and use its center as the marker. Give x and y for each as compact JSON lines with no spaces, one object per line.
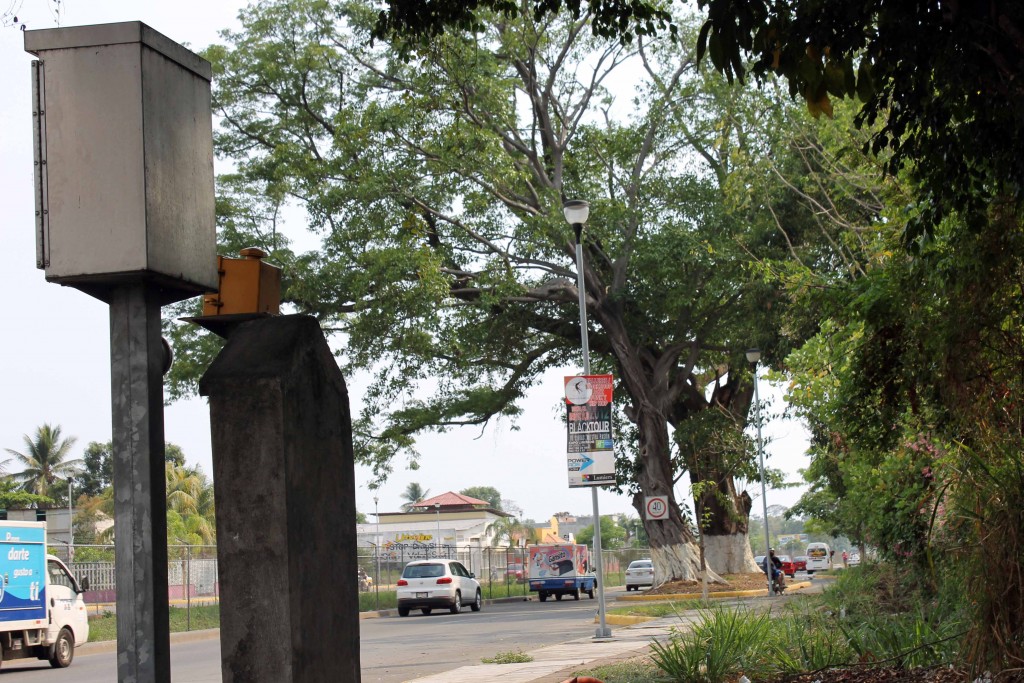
{"x":376,"y":551}
{"x":753,"y":356}
{"x":437,"y":509}
{"x":576,"y":213}
{"x":71,"y":526}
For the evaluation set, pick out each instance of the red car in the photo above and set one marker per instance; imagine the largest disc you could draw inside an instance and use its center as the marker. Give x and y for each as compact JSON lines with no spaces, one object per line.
{"x":800,"y":562}
{"x":788,"y":566}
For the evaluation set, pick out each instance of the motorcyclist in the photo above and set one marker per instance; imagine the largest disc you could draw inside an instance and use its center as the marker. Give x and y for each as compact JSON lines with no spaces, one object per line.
{"x":364,"y":580}
{"x":777,"y":575}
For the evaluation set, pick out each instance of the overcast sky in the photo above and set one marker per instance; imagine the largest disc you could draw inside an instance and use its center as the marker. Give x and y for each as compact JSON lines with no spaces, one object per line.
{"x":54,"y":342}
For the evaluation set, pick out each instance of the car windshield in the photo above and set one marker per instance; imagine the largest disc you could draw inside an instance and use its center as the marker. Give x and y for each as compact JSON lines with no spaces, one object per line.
{"x":639,"y":565}
{"x":423,"y":571}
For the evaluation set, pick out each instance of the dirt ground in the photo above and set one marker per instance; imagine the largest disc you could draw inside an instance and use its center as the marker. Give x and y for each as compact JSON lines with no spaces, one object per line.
{"x":882,"y":675}
{"x":736,"y":582}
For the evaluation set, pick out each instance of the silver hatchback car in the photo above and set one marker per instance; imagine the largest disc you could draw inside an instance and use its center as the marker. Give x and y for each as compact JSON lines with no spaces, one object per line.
{"x":426,"y":584}
{"x":639,"y":573}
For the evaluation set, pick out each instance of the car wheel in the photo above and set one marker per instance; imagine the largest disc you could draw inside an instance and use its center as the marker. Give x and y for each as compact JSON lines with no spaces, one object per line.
{"x":590,"y":593}
{"x":403,"y":611}
{"x":426,"y":610}
{"x":456,"y":603}
{"x":629,"y":588}
{"x":478,"y":602}
{"x":63,"y":650}
{"x":576,"y":594}
{"x":558,"y":596}
{"x":543,"y":596}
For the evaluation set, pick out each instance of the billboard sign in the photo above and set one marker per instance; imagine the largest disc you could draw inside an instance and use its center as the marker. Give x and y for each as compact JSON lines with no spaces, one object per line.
{"x":590,"y":449}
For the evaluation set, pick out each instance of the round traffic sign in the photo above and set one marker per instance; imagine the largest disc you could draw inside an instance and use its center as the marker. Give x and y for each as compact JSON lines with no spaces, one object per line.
{"x":657,"y":507}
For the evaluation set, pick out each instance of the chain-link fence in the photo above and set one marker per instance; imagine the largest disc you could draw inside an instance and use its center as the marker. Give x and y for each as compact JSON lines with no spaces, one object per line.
{"x":191,"y":574}
{"x":502,"y":572}
{"x":192,"y":570}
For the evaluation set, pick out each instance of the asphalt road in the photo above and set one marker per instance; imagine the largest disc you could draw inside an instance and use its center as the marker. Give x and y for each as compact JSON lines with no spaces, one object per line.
{"x":392,"y":649}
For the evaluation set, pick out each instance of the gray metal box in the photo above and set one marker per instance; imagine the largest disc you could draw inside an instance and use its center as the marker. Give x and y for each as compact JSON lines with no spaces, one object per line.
{"x":124,"y":160}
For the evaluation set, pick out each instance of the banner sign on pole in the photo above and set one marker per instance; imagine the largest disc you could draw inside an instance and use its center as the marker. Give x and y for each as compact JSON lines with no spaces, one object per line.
{"x":590,"y":449}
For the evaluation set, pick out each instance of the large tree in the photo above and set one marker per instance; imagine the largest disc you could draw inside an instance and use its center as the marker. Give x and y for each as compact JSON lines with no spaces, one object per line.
{"x":437,"y":184}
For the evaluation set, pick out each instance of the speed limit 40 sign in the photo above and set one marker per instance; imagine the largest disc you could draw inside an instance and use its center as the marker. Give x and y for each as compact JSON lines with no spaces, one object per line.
{"x":656,"y":507}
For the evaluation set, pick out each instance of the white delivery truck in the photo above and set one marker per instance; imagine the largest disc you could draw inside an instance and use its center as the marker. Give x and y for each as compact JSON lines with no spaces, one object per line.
{"x":819,"y":557}
{"x":42,"y":612}
{"x":562,"y":569}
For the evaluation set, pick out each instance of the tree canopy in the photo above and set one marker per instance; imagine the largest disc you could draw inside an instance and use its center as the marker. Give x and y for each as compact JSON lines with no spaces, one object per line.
{"x":944,"y":79}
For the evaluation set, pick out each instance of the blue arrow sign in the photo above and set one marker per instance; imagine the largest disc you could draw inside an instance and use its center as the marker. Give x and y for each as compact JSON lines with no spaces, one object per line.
{"x":587,"y":462}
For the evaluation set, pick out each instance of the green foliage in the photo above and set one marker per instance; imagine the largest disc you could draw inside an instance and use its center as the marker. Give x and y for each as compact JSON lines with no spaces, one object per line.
{"x":719,"y":648}
{"x":872,"y":615}
{"x":191,"y":512}
{"x":13,"y":496}
{"x":488,"y":493}
{"x":44,"y":460}
{"x":98,"y":471}
{"x":413,"y":494}
{"x":196,"y":618}
{"x":612,"y":535}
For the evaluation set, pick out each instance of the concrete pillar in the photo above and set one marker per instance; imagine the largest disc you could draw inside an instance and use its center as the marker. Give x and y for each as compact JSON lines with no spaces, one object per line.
{"x":285,"y":485}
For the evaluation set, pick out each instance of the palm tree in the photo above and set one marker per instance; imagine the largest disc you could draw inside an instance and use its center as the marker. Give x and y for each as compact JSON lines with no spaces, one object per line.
{"x":413,"y":494}
{"x":508,"y":529}
{"x":190,"y":505}
{"x":44,"y":460}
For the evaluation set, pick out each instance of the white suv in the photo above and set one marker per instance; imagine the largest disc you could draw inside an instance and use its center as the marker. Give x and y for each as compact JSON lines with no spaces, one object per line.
{"x":426,"y":584}
{"x":639,"y":573}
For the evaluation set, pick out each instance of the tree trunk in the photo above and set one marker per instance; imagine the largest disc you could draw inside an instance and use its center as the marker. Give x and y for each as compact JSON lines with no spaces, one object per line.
{"x":727,"y":527}
{"x":725,"y":513}
{"x":674,"y":549}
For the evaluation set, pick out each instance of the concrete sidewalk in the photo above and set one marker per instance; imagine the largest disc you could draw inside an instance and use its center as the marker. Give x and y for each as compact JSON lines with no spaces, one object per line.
{"x":556,"y":663}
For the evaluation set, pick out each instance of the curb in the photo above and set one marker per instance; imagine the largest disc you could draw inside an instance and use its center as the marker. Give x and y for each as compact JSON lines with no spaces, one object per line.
{"x":699,"y":596}
{"x":104,"y":646}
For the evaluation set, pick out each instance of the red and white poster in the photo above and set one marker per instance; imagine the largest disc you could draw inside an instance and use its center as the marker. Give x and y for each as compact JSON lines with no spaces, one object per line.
{"x":590,"y":449}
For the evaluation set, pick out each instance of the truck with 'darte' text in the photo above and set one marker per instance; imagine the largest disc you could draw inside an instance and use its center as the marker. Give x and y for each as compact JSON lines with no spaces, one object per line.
{"x":560,"y":569}
{"x":42,"y":611}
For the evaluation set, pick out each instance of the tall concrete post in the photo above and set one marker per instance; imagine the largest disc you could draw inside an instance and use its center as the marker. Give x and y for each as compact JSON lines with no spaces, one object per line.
{"x":285,"y":486}
{"x":140,"y":495}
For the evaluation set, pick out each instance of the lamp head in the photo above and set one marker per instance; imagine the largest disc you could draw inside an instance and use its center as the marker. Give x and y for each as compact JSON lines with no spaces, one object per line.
{"x":576,"y":211}
{"x":753,"y":355}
